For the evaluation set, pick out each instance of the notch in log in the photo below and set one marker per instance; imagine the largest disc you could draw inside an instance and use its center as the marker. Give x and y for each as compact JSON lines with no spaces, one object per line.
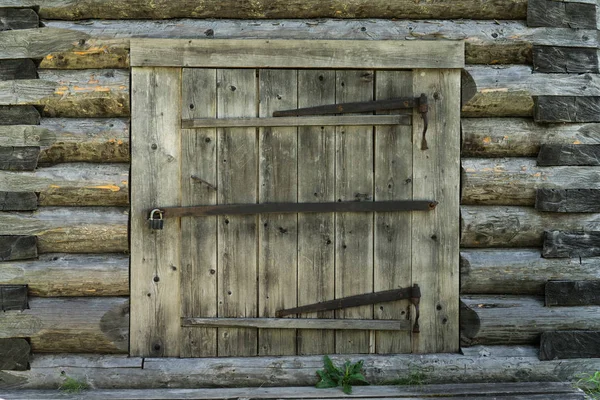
{"x":569,"y":154}
{"x":18,"y":18}
{"x":563,"y":345}
{"x":18,"y":247}
{"x":566,"y":108}
{"x":561,"y":14}
{"x":13,"y":297}
{"x":568,"y":200}
{"x":19,"y":158}
{"x":565,"y":60}
{"x":14,"y":354}
{"x":573,"y":293}
{"x":19,"y":115}
{"x":18,"y":201}
{"x":561,"y":244}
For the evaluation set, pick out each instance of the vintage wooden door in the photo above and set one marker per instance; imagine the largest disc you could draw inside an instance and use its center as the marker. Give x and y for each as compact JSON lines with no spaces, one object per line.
{"x":202,"y":286}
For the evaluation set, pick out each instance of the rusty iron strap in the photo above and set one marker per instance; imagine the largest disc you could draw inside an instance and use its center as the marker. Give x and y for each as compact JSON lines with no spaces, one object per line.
{"x":286,"y":208}
{"x":411,"y":293}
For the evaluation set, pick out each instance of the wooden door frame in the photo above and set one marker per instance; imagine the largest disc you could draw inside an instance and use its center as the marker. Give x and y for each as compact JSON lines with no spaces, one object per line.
{"x":156,"y":80}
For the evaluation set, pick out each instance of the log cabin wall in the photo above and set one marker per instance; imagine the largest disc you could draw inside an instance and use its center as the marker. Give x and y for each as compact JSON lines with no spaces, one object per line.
{"x":530,"y":146}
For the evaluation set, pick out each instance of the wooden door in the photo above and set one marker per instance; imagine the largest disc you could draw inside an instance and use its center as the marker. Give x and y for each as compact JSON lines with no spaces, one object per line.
{"x":210,"y":285}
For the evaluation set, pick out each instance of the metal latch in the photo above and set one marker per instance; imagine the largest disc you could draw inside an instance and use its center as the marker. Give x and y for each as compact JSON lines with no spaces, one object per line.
{"x":366,"y":106}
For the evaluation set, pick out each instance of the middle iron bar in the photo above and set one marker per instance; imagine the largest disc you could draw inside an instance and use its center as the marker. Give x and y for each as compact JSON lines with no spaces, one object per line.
{"x":286,"y":208}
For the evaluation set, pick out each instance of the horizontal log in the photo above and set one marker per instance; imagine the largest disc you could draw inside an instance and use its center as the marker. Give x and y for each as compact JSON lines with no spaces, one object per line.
{"x":566,"y":109}
{"x":18,"y":201}
{"x":533,"y":390}
{"x":78,"y":184}
{"x":561,"y":14}
{"x":17,"y":69}
{"x":504,"y":226}
{"x":513,"y":181}
{"x":18,"y":18}
{"x":573,"y":293}
{"x":486,"y":42}
{"x":88,"y":93}
{"x":14,"y":115}
{"x":479,"y":364}
{"x":520,"y":137}
{"x":17,"y":247}
{"x":509,"y":91}
{"x":569,"y":344}
{"x":164,"y":9}
{"x":569,"y":154}
{"x":19,"y":158}
{"x":77,"y":325}
{"x":566,"y":60}
{"x":68,"y":275}
{"x":300,"y":323}
{"x":519,"y":271}
{"x":568,"y":200}
{"x":71,"y":230}
{"x":561,"y":244}
{"x":13,"y":297}
{"x":518,"y":319}
{"x":36,"y":43}
{"x":14,"y":354}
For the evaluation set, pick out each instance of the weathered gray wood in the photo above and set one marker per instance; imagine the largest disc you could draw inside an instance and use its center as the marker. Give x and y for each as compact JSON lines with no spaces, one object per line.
{"x":18,"y":18}
{"x":17,"y":69}
{"x":569,"y":344}
{"x":570,"y":60}
{"x":479,"y":364}
{"x":36,"y":43}
{"x":519,"y":271}
{"x":78,"y":184}
{"x":19,"y":158}
{"x":568,"y":200}
{"x":54,"y":275}
{"x":486,"y":42}
{"x":274,"y":53}
{"x":504,"y":226}
{"x":301,"y":323}
{"x":156,"y":172}
{"x":518,"y":319}
{"x":296,"y":121}
{"x":19,"y":115}
{"x":566,"y":109}
{"x":506,"y":391}
{"x":514,"y":181}
{"x":80,"y":325}
{"x":61,"y":9}
{"x":573,"y":293}
{"x":13,"y":297}
{"x":561,"y":14}
{"x":14,"y":354}
{"x":571,"y":154}
{"x":520,"y":137}
{"x":316,"y":235}
{"x":565,"y":244}
{"x":17,"y":247}
{"x":18,"y":201}
{"x":70,"y":230}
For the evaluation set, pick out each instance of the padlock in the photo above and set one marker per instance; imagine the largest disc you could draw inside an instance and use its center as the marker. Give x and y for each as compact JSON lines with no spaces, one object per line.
{"x":156,"y":223}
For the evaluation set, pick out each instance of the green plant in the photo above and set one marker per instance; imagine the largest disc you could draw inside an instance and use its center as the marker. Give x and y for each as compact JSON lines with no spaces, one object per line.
{"x":590,"y":384}
{"x":71,"y":385}
{"x":414,"y":377}
{"x":345,"y":376}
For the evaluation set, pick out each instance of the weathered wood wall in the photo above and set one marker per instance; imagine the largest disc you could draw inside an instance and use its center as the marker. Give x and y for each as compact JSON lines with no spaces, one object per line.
{"x":64,"y":151}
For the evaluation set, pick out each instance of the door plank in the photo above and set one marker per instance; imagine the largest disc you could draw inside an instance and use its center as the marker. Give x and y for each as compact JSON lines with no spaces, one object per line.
{"x":155,"y":261}
{"x":435,"y":235}
{"x":290,"y":324}
{"x":316,"y":235}
{"x":237,"y":235}
{"x":278,"y":173}
{"x":324,"y":120}
{"x":354,"y":232}
{"x":393,"y":244}
{"x":199,"y":235}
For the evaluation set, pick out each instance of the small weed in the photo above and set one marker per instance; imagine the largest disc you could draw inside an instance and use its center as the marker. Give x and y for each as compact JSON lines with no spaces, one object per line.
{"x":345,"y":376}
{"x":590,"y":384}
{"x":71,"y":385}
{"x":414,"y":377}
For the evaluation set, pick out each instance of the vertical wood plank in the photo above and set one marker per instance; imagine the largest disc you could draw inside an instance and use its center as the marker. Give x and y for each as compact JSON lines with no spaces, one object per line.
{"x":199,"y":235}
{"x":354,"y":231}
{"x":393,"y":181}
{"x":316,"y":234}
{"x":278,"y":233}
{"x":237,"y":235}
{"x":435,"y":234}
{"x":155,"y":175}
